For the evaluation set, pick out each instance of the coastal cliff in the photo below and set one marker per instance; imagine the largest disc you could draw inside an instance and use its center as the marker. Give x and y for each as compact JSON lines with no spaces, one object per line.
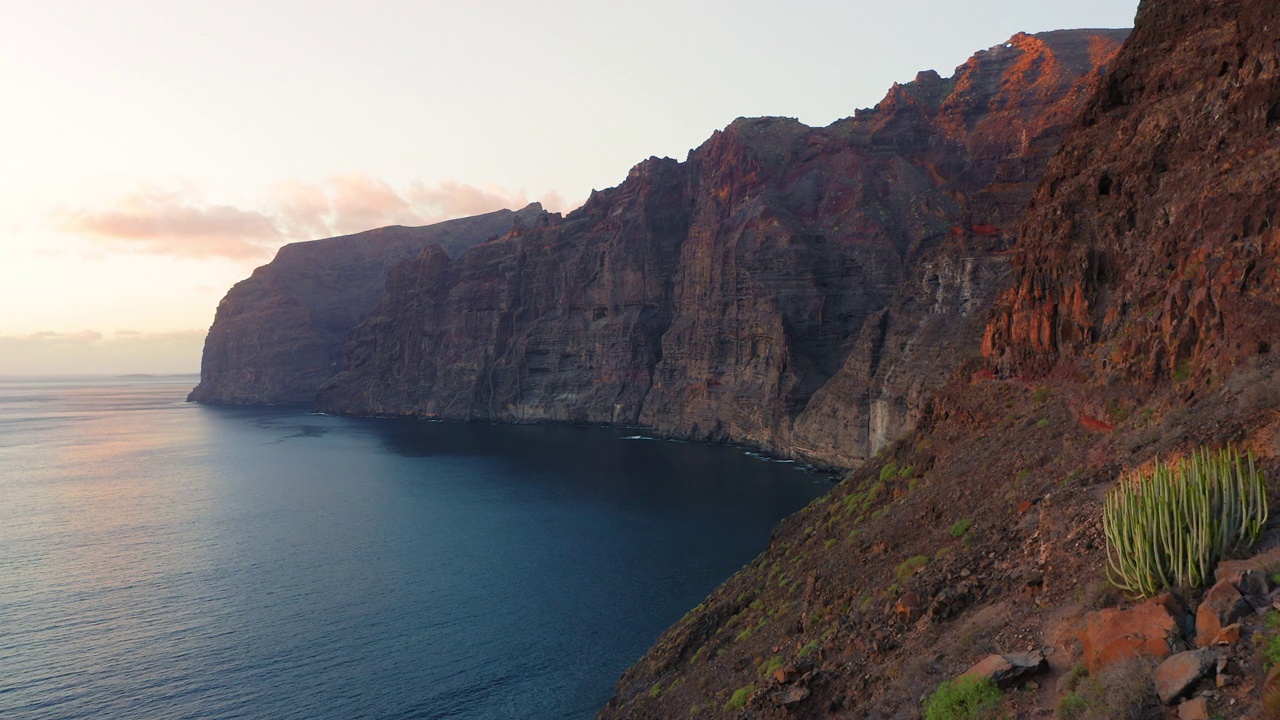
{"x":1141,"y":304}
{"x":278,"y":335}
{"x":798,"y":289}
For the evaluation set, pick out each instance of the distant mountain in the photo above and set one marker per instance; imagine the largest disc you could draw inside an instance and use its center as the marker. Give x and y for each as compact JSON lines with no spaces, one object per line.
{"x":278,"y":335}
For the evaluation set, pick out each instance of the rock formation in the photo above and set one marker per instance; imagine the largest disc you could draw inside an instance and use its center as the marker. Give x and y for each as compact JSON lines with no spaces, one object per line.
{"x":1138,"y":321}
{"x":1151,"y":249}
{"x":795,"y":288}
{"x":278,"y":335}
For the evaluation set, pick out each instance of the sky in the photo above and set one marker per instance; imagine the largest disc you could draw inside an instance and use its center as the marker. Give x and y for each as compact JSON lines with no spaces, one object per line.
{"x":152,"y":153}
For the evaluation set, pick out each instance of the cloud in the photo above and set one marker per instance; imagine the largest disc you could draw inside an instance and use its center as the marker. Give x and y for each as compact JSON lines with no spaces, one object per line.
{"x":175,"y":223}
{"x":93,"y":352}
{"x":181,"y":223}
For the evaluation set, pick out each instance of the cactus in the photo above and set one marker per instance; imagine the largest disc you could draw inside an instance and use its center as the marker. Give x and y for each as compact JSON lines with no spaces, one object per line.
{"x":1171,"y":526}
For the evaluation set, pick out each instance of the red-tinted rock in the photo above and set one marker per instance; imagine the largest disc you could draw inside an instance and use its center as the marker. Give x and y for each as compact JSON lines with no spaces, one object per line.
{"x":1151,"y":253}
{"x":1146,"y":630}
{"x":1194,"y":709}
{"x":1008,"y":670}
{"x":1222,"y":605}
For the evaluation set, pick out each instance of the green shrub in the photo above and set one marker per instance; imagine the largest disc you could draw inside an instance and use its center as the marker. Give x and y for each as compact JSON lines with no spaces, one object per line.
{"x":911,"y":566}
{"x":1072,"y":706}
{"x":739,"y":698}
{"x":965,"y":698}
{"x":1173,"y":525}
{"x":767,"y":668}
{"x":1042,"y":423}
{"x":961,"y":527}
{"x":656,"y":690}
{"x":808,"y":648}
{"x":888,"y":471}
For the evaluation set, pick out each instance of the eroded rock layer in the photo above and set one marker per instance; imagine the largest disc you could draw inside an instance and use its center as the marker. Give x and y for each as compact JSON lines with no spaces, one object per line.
{"x":795,"y":288}
{"x":278,"y":335}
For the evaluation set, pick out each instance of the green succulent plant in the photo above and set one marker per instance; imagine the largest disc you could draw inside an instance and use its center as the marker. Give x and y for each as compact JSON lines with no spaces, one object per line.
{"x":1172,"y":525}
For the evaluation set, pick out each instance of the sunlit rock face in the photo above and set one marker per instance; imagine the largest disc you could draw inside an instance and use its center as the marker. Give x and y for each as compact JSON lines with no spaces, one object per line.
{"x":278,"y":335}
{"x":1151,"y":252}
{"x":796,"y":288}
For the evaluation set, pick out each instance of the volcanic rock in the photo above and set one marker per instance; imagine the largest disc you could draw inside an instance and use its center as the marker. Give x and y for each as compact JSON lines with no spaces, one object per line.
{"x":799,"y":289}
{"x":278,"y":335}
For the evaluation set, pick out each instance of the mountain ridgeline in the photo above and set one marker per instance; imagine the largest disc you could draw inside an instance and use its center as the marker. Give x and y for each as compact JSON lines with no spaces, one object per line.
{"x":798,"y":289}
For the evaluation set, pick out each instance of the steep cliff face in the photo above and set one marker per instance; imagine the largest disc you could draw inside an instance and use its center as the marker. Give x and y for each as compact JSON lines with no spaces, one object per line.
{"x":1150,"y":251}
{"x":278,"y":335}
{"x":716,"y":298}
{"x":1142,"y":305}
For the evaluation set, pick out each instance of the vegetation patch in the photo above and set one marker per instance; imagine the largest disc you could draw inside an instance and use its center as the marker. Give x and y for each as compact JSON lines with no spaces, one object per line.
{"x":965,"y":698}
{"x":738,"y":700}
{"x":1172,"y":525}
{"x":961,"y":527}
{"x":910,"y":567}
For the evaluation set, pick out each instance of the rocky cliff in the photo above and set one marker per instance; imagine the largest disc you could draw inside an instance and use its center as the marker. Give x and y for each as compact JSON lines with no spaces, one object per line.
{"x":1142,"y":303}
{"x":1150,"y":250}
{"x":795,"y":288}
{"x":278,"y":335}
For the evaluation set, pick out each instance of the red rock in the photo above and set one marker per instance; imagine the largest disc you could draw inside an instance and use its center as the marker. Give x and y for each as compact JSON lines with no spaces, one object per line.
{"x":1222,"y":605}
{"x":1144,"y":258}
{"x":1007,"y":670}
{"x":1229,"y":635}
{"x":909,"y":607}
{"x":1194,"y":709}
{"x":1149,"y":629}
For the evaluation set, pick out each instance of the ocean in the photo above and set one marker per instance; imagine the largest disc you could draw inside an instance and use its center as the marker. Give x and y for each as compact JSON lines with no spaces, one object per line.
{"x":161,"y":559}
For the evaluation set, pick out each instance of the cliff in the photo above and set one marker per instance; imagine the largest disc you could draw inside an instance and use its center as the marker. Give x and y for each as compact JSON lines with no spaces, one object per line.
{"x":1137,"y":321}
{"x":795,"y":288}
{"x":278,"y":335}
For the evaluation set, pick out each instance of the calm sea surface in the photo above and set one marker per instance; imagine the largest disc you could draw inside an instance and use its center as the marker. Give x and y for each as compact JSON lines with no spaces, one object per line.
{"x":160,"y":559}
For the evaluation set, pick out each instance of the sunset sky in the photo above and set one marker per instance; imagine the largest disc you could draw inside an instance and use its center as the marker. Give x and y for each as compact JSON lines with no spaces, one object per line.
{"x":154,"y":153}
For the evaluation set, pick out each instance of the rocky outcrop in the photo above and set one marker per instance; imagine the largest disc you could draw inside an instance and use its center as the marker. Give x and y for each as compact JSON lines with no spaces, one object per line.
{"x":1151,"y":252}
{"x":795,"y":288}
{"x":278,"y":335}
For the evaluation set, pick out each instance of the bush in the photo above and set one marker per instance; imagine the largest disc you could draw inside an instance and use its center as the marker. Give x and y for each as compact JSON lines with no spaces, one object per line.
{"x":910,"y":567}
{"x":1123,"y":691}
{"x":965,"y":698}
{"x":961,"y":527}
{"x":739,"y":698}
{"x":1173,"y":525}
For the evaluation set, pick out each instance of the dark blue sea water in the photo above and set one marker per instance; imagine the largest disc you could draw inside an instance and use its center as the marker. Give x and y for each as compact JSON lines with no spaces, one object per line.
{"x":160,"y":559}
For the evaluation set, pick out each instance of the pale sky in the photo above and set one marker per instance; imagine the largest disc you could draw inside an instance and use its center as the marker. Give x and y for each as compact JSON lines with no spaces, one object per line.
{"x":152,"y":153}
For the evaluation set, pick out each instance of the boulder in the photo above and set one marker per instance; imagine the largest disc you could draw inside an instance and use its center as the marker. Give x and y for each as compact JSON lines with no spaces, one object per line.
{"x":1222,"y":606}
{"x":1007,"y":670}
{"x":1194,"y":709}
{"x":1177,"y":674}
{"x":1149,"y":629}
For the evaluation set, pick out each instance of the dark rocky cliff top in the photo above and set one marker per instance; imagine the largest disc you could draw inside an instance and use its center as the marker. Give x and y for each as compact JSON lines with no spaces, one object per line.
{"x":278,"y":335}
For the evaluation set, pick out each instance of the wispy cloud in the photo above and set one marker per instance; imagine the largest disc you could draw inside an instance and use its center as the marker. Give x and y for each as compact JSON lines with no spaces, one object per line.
{"x":175,"y":223}
{"x":182,"y":223}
